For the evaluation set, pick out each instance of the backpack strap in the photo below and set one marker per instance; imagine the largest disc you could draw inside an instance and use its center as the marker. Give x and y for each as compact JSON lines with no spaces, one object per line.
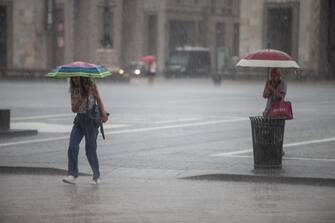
{"x":89,"y":115}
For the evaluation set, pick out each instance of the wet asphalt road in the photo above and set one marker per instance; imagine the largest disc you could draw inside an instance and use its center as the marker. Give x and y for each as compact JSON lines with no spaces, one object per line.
{"x":155,"y":133}
{"x":164,"y":200}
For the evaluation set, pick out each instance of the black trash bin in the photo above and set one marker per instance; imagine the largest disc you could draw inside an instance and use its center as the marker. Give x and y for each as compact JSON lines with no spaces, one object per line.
{"x":267,"y":138}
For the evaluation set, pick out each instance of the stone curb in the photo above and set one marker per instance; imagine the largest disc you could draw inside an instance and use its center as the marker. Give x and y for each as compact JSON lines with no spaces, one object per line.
{"x":17,"y":133}
{"x":263,"y":178}
{"x":235,"y":177}
{"x":35,"y":171}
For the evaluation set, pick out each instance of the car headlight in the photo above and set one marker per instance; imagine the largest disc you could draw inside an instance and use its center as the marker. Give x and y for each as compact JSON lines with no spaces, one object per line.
{"x":121,"y":71}
{"x":137,"y":71}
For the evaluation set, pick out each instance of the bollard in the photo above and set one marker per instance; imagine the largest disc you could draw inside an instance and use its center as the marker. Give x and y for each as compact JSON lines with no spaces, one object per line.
{"x":5,"y":130}
{"x":4,"y":119}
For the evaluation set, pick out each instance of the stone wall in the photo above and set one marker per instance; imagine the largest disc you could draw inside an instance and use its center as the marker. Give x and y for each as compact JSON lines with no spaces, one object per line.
{"x":133,"y":32}
{"x":29,"y":36}
{"x":33,"y":48}
{"x":312,"y":61}
{"x":252,"y":24}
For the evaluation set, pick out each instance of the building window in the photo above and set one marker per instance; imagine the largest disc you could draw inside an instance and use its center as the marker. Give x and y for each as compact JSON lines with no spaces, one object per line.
{"x":225,"y":7}
{"x":220,"y":34}
{"x":152,"y":34}
{"x":49,"y":15}
{"x":221,"y":51}
{"x":107,"y":24}
{"x":281,"y":27}
{"x":3,"y":35}
{"x":228,"y":3}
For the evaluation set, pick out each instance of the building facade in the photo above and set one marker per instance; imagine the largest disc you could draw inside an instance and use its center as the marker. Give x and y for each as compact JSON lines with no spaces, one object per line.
{"x":40,"y":34}
{"x":36,"y":35}
{"x":207,"y":23}
{"x":304,"y":29}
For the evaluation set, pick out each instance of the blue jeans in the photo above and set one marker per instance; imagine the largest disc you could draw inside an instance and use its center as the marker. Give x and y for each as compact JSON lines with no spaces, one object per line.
{"x":83,"y":126}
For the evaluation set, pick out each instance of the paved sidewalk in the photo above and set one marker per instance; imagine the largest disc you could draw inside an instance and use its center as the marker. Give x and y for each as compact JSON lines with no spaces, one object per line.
{"x":302,"y":191}
{"x":301,"y":171}
{"x":30,"y":198}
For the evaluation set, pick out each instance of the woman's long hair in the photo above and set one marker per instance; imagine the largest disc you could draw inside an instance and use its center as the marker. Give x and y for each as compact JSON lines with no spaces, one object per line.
{"x":83,"y":87}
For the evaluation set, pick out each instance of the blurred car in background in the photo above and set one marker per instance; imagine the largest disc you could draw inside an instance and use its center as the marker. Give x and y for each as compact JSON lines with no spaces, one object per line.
{"x":135,"y":69}
{"x":189,"y":62}
{"x":119,"y":74}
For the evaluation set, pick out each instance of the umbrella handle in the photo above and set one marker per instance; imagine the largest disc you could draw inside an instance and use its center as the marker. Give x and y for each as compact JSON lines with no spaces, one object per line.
{"x":268,"y":74}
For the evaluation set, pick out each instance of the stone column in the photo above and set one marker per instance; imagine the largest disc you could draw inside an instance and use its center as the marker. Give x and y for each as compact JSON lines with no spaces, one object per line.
{"x":211,"y":40}
{"x":117,"y":35}
{"x":69,"y":30}
{"x":162,"y":43}
{"x":139,"y":27}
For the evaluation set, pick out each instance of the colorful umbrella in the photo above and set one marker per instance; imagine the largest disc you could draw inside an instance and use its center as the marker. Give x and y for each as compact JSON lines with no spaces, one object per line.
{"x":148,"y":58}
{"x":79,"y":69}
{"x":268,"y":58}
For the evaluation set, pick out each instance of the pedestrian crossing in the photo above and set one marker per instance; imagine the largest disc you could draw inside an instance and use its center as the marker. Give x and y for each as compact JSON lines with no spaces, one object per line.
{"x":118,"y":124}
{"x":55,"y":128}
{"x":62,"y":123}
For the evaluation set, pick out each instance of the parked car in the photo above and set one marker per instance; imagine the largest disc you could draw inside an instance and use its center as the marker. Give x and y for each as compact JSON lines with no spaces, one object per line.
{"x":189,"y":62}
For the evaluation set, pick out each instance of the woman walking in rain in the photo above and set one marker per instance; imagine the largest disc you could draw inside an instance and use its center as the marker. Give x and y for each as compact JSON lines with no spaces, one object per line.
{"x":84,"y":95}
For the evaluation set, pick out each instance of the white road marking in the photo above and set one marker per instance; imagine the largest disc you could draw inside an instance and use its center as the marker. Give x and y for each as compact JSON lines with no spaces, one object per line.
{"x":125,"y":131}
{"x":234,"y":153}
{"x":42,"y":127}
{"x":33,"y":141}
{"x":54,"y":116}
{"x":309,"y":142}
{"x":177,"y":120}
{"x":309,"y":159}
{"x":42,"y":117}
{"x":177,"y":126}
{"x":192,"y":101}
{"x":54,"y":128}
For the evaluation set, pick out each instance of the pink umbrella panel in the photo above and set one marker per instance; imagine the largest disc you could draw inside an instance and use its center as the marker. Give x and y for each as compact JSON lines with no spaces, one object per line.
{"x":268,"y":58}
{"x":148,"y":58}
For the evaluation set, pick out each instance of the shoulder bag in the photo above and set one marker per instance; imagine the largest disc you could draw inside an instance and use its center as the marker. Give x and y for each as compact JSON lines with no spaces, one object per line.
{"x":280,"y":109}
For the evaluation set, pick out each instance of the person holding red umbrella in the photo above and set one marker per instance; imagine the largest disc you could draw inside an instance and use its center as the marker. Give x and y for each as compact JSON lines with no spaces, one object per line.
{"x":276,"y":110}
{"x":274,"y":90}
{"x":151,"y":66}
{"x":152,"y":71}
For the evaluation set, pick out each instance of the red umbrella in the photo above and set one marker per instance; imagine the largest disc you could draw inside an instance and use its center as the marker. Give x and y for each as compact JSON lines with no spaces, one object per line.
{"x":268,"y":58}
{"x":148,"y":58}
